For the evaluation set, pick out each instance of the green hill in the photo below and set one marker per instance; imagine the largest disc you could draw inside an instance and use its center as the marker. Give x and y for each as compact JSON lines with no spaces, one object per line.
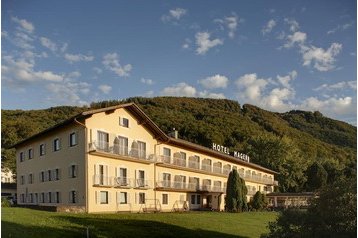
{"x":203,"y":121}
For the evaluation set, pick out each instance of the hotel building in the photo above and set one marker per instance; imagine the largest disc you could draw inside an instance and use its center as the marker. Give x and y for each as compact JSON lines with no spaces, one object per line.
{"x":117,"y":159}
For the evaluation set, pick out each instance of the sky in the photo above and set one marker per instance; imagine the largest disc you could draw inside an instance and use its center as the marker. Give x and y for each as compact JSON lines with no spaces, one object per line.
{"x":279,"y":55}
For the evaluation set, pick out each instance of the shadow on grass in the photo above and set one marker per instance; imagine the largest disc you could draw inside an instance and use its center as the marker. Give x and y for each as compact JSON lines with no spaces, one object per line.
{"x":104,"y":227}
{"x":14,"y":230}
{"x":101,"y":227}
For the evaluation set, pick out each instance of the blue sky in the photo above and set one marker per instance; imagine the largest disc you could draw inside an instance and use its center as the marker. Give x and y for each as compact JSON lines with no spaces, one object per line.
{"x":278,"y":55}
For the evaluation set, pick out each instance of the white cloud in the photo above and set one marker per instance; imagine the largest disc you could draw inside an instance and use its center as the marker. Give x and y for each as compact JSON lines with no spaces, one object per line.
{"x":216,"y":81}
{"x":252,"y":86}
{"x":64,"y":47}
{"x":146,"y":81}
{"x":231,"y":23}
{"x":331,"y":106}
{"x":174,"y":14}
{"x":186,"y":44}
{"x":68,"y":92}
{"x":74,"y":74}
{"x":71,"y":58}
{"x":206,"y":94}
{"x":111,"y":62}
{"x":22,"y":70}
{"x":340,"y":28}
{"x":105,"y":88}
{"x":285,"y":80}
{"x":268,"y":27}
{"x":293,"y":24}
{"x":22,"y":40}
{"x":204,"y":43}
{"x":24,"y":25}
{"x":254,"y":90}
{"x":322,"y":60}
{"x":97,"y":70}
{"x":179,"y":90}
{"x":338,"y":86}
{"x":297,"y":37}
{"x":48,"y":44}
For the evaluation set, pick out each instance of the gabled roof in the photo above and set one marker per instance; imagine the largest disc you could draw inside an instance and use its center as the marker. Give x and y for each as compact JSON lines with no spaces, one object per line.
{"x":144,"y":120}
{"x":131,"y":107}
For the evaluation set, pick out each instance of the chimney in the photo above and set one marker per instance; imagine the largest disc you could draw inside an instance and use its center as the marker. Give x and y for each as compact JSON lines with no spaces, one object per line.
{"x":173,"y":134}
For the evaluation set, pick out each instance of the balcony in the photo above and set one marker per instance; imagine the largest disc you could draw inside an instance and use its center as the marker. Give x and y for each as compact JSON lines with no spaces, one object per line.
{"x":194,"y":164}
{"x":123,"y":182}
{"x":206,"y":167}
{"x":122,"y":151}
{"x":120,"y":182}
{"x":102,"y":180}
{"x":142,"y":183}
{"x":213,"y":169}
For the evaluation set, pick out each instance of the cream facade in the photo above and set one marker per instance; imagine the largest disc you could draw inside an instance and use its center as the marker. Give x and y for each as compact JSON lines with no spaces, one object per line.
{"x":116,"y":159}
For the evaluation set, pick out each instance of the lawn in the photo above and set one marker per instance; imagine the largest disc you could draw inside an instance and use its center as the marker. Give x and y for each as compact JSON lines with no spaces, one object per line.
{"x":22,"y":222}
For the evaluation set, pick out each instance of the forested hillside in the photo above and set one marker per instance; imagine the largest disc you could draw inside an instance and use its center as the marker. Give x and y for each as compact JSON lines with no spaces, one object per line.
{"x":286,"y":142}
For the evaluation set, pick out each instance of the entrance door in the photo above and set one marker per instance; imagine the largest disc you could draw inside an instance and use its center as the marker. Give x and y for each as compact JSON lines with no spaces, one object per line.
{"x":209,"y":201}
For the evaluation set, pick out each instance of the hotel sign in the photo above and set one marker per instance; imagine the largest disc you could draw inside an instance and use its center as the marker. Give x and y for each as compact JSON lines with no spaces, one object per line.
{"x":226,"y":150}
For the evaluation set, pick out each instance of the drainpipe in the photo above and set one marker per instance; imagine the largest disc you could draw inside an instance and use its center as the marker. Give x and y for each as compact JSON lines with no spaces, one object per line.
{"x":86,"y":162}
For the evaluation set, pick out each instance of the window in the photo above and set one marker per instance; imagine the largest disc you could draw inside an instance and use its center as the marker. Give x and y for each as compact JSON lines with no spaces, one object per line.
{"x":166,"y":154}
{"x":103,"y":140}
{"x":123,"y":177}
{"x":57,"y":198}
{"x":124,"y":122}
{"x":195,"y":199}
{"x":42,"y":176}
{"x":31,"y":198}
{"x":31,"y":153}
{"x":123,"y":198}
{"x":22,"y":156}
{"x":121,"y":145}
{"x":141,"y":149}
{"x":56,"y":144}
{"x":31,"y":178}
{"x":22,"y":198}
{"x":164,"y":198}
{"x":42,"y":197}
{"x":57,"y":174}
{"x":49,"y":175}
{"x":104,"y":197}
{"x":73,"y":139}
{"x":183,"y":155}
{"x":140,"y":178}
{"x":49,"y":197}
{"x":166,"y":180}
{"x":22,"y":179}
{"x":42,"y":149}
{"x":73,"y":171}
{"x":73,"y":196}
{"x":141,"y":198}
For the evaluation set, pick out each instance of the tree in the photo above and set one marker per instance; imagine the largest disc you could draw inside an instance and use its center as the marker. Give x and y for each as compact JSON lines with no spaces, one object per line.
{"x":332,"y":214}
{"x":259,"y":201}
{"x":236,"y":191}
{"x":316,"y":177}
{"x":282,"y":155}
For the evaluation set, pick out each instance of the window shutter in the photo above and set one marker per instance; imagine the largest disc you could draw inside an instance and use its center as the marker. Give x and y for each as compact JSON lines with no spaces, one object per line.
{"x":128,"y":198}
{"x":70,"y":197}
{"x":77,"y":196}
{"x":135,"y":178}
{"x":69,"y":171}
{"x":136,"y":198}
{"x":98,"y":196}
{"x":59,"y":197}
{"x":106,"y":174}
{"x":59,"y":174}
{"x":76,"y":171}
{"x":109,"y":197}
{"x":118,"y":197}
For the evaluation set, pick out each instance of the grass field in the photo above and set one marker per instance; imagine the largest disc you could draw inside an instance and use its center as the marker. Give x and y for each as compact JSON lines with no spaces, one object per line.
{"x":22,"y":222}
